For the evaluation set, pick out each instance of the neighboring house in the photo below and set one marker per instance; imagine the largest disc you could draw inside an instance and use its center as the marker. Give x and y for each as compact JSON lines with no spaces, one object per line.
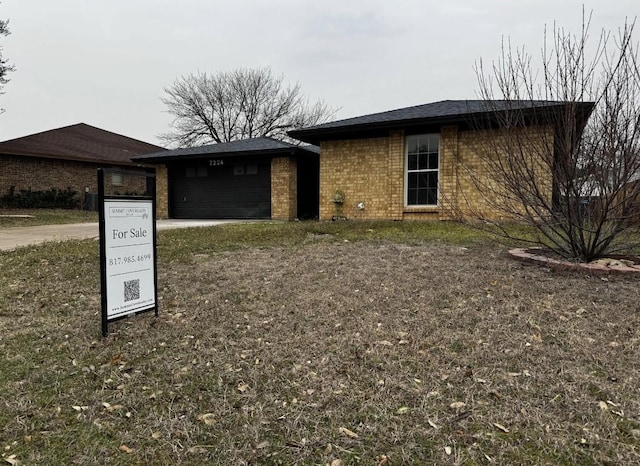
{"x":257,"y":178}
{"x":69,"y":157}
{"x":408,"y":164}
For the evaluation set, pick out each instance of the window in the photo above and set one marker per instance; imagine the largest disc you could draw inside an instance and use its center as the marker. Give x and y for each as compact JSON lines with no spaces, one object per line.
{"x":200,"y":171}
{"x":117,"y":179}
{"x":422,"y":163}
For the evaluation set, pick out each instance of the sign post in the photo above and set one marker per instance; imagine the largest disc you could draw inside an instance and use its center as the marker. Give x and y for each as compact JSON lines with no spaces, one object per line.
{"x":127,"y":254}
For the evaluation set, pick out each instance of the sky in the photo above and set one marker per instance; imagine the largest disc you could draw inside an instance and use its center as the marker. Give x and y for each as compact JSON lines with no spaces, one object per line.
{"x":106,"y":62}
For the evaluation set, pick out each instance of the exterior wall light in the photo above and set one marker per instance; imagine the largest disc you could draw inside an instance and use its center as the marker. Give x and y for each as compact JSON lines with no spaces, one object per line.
{"x":360,"y":205}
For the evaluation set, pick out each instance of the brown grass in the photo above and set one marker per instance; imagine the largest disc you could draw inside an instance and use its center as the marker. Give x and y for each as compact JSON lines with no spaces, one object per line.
{"x":34,"y":217}
{"x":371,"y":351}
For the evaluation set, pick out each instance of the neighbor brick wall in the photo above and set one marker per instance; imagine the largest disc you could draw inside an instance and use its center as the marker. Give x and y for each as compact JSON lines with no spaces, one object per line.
{"x":40,"y":174}
{"x":284,"y":195}
{"x":371,"y":171}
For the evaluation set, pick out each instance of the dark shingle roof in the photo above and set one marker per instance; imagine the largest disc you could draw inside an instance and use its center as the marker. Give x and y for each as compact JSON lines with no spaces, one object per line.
{"x":253,"y":146}
{"x":80,"y":142}
{"x":443,"y":112}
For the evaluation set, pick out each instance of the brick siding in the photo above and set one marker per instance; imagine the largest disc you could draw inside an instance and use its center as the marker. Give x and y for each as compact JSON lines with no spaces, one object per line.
{"x":363,"y":169}
{"x":371,"y":171}
{"x":284,"y":180}
{"x":472,"y":201}
{"x":162,"y":191}
{"x":40,"y":174}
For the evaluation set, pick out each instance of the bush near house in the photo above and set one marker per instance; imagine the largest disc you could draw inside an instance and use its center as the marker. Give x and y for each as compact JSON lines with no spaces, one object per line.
{"x":44,"y":199}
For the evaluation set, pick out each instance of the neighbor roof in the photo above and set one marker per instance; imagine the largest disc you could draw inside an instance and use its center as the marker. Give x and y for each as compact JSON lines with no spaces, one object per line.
{"x":253,"y":146}
{"x":80,"y":142}
{"x":436,"y":113}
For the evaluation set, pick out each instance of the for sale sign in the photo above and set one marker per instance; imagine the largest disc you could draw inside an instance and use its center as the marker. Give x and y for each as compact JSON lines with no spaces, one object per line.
{"x":129,"y":251}
{"x":127,"y":256}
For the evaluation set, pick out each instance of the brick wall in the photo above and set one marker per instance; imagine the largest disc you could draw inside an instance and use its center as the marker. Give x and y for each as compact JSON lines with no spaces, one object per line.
{"x":366,"y":171}
{"x":371,"y":171}
{"x":40,"y":174}
{"x":471,"y":171}
{"x":284,"y":196}
{"x":162,"y":191}
{"x":132,"y":184}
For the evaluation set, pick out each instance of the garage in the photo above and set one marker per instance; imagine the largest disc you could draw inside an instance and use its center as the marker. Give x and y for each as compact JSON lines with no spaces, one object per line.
{"x":220,"y":188}
{"x":259,"y":178}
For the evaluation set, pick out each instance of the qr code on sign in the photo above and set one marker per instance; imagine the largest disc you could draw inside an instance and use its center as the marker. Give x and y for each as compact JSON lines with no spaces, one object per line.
{"x":132,"y":290}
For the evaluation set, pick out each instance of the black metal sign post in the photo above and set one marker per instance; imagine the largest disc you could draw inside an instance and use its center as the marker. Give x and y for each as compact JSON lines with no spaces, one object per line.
{"x":128,"y":262}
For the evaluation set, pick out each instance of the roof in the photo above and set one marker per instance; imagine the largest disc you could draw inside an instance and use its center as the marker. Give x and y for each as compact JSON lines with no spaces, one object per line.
{"x":262,"y":146}
{"x":80,"y":142}
{"x":435,"y":113}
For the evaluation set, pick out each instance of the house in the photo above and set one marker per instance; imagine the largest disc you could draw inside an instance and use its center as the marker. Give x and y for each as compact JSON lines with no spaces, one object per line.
{"x":69,"y":157}
{"x":257,"y":178}
{"x":410,"y":163}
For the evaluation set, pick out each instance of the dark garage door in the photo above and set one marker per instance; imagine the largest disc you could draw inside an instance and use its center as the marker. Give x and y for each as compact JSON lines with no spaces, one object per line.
{"x":221,"y":189}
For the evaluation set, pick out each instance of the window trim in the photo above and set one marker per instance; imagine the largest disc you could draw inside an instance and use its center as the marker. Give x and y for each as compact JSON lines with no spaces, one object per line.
{"x":426,"y":170}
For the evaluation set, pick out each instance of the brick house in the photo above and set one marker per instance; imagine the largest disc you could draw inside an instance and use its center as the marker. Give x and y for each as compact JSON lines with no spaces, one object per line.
{"x":260,"y":178}
{"x":407,"y":164}
{"x":68,"y":157}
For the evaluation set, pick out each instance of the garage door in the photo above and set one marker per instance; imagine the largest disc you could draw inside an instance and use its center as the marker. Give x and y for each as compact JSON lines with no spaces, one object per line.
{"x":221,"y":189}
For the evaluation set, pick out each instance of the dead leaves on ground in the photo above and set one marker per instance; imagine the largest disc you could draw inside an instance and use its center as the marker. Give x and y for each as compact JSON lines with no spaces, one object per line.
{"x":124,"y":448}
{"x":457,"y":405}
{"x":11,"y":459}
{"x":348,"y":433}
{"x":110,"y":408}
{"x":208,"y":419}
{"x":242,"y":387}
{"x":614,"y":408}
{"x":500,"y":427}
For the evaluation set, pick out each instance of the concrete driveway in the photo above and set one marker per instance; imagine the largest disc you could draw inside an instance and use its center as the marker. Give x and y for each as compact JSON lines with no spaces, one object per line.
{"x":11,"y":238}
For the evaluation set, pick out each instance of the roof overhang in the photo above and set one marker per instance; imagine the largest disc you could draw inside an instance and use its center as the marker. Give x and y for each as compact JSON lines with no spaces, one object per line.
{"x":370,"y":130}
{"x":71,"y":158}
{"x":179,"y":155}
{"x":535,"y":114}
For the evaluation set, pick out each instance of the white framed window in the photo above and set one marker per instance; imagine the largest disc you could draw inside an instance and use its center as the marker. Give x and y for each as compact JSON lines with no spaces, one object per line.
{"x":422,"y":163}
{"x":117,"y":179}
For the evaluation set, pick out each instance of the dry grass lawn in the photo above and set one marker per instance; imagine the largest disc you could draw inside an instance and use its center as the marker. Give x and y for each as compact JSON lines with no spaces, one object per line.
{"x":320,"y":344}
{"x":33,"y":217}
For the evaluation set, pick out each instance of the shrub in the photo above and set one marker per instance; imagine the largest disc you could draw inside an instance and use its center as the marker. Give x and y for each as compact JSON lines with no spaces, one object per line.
{"x":44,"y":199}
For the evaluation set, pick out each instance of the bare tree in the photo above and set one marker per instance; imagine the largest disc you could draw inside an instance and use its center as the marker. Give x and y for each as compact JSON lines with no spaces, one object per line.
{"x":244,"y":103}
{"x":561,"y":145}
{"x":5,"y":67}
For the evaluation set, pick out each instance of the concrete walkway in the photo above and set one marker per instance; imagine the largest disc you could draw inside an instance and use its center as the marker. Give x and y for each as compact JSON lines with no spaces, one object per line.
{"x":11,"y":238}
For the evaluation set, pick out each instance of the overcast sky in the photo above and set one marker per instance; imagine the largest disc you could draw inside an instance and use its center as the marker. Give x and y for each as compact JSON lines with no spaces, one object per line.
{"x":106,"y":62}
